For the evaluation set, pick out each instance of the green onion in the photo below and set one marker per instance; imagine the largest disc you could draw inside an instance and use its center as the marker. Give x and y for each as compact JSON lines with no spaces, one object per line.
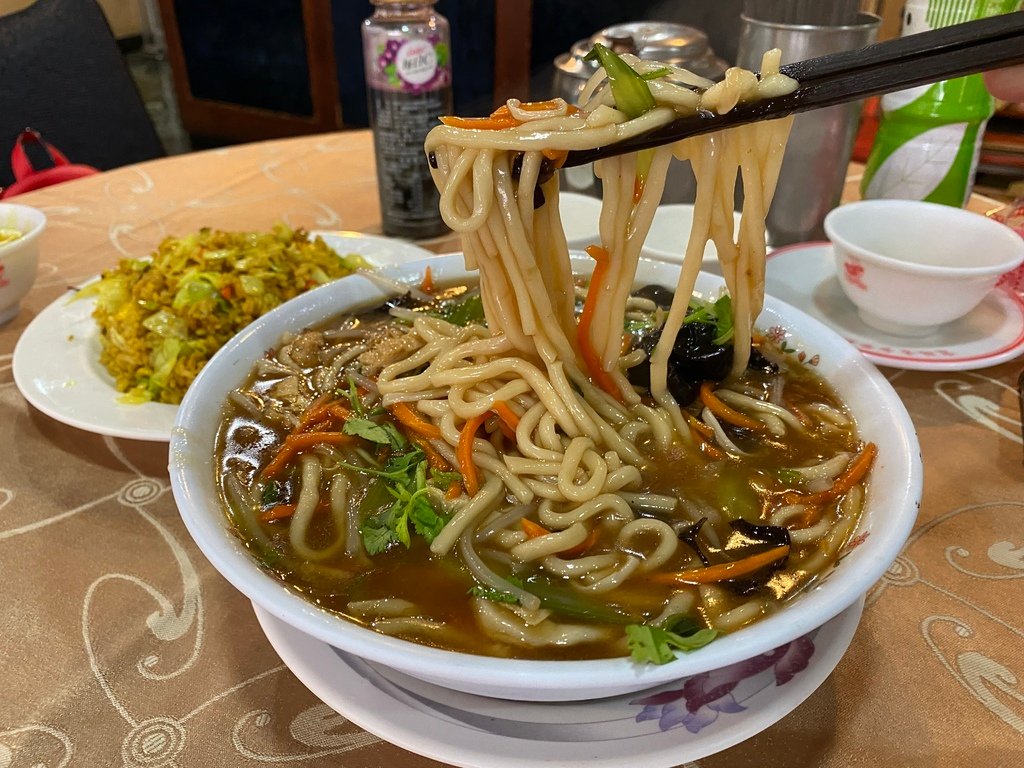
{"x":632,"y":94}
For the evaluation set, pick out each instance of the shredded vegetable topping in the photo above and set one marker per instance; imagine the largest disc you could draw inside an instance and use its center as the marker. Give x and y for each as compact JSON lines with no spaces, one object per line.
{"x":162,"y":318}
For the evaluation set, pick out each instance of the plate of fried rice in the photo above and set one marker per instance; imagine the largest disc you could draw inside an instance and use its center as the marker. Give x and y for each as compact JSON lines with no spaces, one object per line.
{"x":116,"y":355}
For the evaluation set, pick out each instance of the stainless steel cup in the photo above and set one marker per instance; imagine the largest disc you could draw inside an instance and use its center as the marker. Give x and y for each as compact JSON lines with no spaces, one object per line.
{"x":818,"y":153}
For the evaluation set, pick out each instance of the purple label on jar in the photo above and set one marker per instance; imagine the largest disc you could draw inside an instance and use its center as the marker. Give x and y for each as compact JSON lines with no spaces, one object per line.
{"x":412,"y":65}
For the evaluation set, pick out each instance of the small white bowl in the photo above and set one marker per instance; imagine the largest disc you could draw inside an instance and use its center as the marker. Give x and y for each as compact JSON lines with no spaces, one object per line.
{"x":889,"y":512}
{"x":670,"y":229}
{"x":911,"y":266}
{"x":581,"y":219}
{"x":19,"y":259}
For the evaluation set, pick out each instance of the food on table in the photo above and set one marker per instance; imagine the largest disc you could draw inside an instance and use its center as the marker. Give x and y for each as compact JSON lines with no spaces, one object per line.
{"x":552,"y":466}
{"x":161,"y":318}
{"x":349,"y":475}
{"x":8,"y":235}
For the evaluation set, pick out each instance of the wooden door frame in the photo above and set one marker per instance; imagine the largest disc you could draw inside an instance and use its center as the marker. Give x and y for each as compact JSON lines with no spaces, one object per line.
{"x":244,"y":123}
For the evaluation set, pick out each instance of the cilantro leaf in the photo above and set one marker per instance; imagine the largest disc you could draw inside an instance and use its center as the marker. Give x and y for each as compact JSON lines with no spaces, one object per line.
{"x":425,"y":519}
{"x":718,"y":312}
{"x":649,"y":644}
{"x":382,"y":434}
{"x":377,"y":536}
{"x":400,"y":523}
{"x":399,"y":469}
{"x":723,"y":319}
{"x":404,"y":479}
{"x":468,"y":310}
{"x":444,"y":479}
{"x":405,"y":464}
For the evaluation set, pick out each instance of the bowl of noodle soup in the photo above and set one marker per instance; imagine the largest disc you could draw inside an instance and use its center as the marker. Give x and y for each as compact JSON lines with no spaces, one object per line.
{"x":884,"y":523}
{"x":533,"y":474}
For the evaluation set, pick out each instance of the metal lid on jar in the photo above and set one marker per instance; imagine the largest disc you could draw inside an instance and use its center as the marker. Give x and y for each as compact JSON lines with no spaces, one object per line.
{"x":675,"y":44}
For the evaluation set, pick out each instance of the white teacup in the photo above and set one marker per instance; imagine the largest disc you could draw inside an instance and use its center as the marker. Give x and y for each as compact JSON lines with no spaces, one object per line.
{"x":911,"y":266}
{"x":19,"y":258}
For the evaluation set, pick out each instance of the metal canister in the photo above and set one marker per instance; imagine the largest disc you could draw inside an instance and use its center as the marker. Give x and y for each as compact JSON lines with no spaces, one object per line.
{"x":675,"y":44}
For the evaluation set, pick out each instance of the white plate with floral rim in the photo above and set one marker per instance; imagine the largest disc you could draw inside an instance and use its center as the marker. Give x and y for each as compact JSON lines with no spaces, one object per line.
{"x":56,"y":361}
{"x":993,"y":332}
{"x":665,"y":726}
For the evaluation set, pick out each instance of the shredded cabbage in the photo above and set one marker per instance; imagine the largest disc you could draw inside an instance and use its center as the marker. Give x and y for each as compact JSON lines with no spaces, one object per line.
{"x":162,"y":318}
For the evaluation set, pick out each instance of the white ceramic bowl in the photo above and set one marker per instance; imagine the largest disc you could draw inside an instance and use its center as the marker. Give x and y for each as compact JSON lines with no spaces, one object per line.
{"x":670,"y":229}
{"x":911,"y":266}
{"x":888,"y":516}
{"x":19,"y":259}
{"x":581,"y":219}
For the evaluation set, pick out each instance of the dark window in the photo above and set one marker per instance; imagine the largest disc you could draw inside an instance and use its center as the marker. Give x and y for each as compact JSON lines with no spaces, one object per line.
{"x":250,"y":54}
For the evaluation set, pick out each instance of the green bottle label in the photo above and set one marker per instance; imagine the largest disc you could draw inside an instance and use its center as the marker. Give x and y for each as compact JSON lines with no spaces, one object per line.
{"x":943,"y":13}
{"x":927,"y":147}
{"x":929,"y":137}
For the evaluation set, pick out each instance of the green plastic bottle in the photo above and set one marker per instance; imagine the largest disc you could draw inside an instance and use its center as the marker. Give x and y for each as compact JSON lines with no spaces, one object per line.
{"x":929,"y":137}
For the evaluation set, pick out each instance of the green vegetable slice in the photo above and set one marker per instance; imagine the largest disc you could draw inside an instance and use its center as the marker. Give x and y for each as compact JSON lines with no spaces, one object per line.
{"x":492,"y":594}
{"x":655,"y":645}
{"x":468,"y":311}
{"x":632,"y":94}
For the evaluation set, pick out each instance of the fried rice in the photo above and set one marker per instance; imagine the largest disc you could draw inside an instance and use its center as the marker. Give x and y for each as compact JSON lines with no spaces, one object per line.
{"x":162,"y":318}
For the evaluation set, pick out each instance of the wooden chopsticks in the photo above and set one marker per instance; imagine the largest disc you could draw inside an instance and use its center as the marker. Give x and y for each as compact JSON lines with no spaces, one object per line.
{"x":848,"y":76}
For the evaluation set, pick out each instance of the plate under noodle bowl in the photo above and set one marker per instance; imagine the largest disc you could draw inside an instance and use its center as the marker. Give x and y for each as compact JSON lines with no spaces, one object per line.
{"x":555,"y":461}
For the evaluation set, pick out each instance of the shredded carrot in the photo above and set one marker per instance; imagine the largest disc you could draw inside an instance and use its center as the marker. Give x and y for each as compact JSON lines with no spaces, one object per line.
{"x":724,"y":571}
{"x":711,"y":451}
{"x":454,"y":491}
{"x":506,"y":430}
{"x":700,"y":427}
{"x":321,"y":426}
{"x":533,"y":106}
{"x":506,"y":414}
{"x":411,"y":420}
{"x":807,"y":518}
{"x":227,"y":291}
{"x":854,"y":472}
{"x":427,"y":285}
{"x":600,"y":376}
{"x":481,"y":123}
{"x":535,"y":530}
{"x":724,"y":412}
{"x":315,"y":412}
{"x":283,"y":511}
{"x":340,"y":412}
{"x":278,"y":512}
{"x":465,"y":453}
{"x":556,"y":156}
{"x":434,"y":459}
{"x":296,"y":443}
{"x":531,"y":529}
{"x":638,"y":189}
{"x":582,"y":547}
{"x":802,"y":417}
{"x":502,"y":118}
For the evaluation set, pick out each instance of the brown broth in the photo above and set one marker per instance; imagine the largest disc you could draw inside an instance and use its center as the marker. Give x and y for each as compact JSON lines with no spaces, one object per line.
{"x":439,"y":586}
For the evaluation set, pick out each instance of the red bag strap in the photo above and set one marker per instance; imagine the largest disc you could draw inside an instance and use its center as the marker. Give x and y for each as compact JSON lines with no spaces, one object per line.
{"x":20,"y":163}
